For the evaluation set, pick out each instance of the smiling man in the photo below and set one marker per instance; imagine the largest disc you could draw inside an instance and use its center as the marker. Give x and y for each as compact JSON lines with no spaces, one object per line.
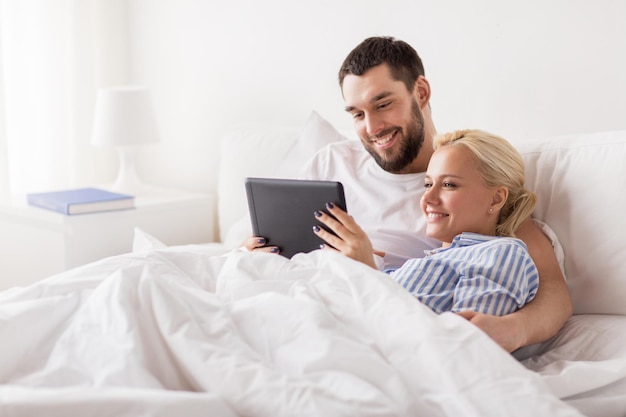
{"x":388,"y":119}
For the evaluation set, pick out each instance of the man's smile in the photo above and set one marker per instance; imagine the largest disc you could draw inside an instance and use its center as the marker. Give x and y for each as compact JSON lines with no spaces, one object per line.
{"x":385,"y":141}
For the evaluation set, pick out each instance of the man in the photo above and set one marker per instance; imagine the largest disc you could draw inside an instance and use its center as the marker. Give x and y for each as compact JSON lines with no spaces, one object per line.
{"x":386,"y":93}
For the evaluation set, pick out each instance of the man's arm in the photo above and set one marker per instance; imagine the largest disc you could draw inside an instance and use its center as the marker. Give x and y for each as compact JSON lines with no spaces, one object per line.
{"x":541,"y":318}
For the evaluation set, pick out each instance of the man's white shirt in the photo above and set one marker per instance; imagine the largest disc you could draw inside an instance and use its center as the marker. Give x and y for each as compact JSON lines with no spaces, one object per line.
{"x":385,"y":205}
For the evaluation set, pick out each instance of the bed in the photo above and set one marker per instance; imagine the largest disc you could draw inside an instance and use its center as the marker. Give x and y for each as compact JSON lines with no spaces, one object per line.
{"x":212,"y":330}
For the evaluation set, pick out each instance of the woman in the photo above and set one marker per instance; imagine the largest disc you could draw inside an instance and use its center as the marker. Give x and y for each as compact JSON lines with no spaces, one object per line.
{"x":475,"y":199}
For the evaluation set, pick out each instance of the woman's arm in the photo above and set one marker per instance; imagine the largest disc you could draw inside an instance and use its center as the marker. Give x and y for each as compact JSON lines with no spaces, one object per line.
{"x":542,"y":318}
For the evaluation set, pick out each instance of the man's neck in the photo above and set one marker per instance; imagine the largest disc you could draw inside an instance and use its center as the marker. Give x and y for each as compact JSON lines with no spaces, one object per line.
{"x":420,"y":163}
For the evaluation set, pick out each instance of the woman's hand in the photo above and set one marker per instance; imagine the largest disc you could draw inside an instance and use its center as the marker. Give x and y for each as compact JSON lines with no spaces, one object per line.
{"x":350,"y":239}
{"x":257,"y":244}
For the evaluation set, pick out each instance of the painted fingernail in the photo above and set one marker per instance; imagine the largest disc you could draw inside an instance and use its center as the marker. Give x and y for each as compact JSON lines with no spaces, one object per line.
{"x":261,"y":241}
{"x":274,"y":250}
{"x":322,"y":246}
{"x":318,"y":214}
{"x":330,"y":206}
{"x":316,"y":229}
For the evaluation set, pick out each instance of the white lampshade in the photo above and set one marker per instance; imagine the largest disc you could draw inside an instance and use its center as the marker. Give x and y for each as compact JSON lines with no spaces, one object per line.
{"x":124,"y":118}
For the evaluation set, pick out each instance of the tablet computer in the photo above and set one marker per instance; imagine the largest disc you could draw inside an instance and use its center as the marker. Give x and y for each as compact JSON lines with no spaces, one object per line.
{"x":281,"y":211}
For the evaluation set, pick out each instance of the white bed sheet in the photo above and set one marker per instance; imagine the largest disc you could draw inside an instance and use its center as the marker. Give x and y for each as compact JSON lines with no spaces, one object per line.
{"x":585,"y":364}
{"x":179,"y":332}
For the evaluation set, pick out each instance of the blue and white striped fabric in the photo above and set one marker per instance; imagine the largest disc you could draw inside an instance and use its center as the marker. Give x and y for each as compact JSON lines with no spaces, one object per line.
{"x":488,"y":274}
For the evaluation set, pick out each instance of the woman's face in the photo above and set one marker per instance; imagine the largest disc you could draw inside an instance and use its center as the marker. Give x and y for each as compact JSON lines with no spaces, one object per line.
{"x":456,"y":199}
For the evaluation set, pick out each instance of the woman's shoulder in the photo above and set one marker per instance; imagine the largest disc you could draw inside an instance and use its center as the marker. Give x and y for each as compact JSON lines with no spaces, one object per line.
{"x":489,"y":241}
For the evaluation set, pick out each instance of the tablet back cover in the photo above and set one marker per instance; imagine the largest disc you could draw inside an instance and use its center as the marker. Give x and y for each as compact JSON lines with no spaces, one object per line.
{"x":281,"y":210}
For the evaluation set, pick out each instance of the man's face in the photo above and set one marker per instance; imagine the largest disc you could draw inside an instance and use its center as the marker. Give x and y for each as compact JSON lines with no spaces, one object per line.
{"x":386,"y":117}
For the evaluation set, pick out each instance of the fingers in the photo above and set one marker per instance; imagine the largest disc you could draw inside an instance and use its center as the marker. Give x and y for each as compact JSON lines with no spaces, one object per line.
{"x":342,"y":217}
{"x":340,"y":222}
{"x":341,"y":233}
{"x":499,"y":328}
{"x":349,"y":238}
{"x":268,"y":249}
{"x":379,"y":253}
{"x":467,"y":314}
{"x":326,"y":236}
{"x":254,"y":242}
{"x":257,"y":244}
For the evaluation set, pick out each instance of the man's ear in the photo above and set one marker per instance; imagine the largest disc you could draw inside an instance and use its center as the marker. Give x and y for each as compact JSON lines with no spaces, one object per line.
{"x":500,"y":196}
{"x":422,"y":91}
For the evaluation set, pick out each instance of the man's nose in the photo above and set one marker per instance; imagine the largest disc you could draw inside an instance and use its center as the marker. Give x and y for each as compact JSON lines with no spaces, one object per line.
{"x":374,"y":124}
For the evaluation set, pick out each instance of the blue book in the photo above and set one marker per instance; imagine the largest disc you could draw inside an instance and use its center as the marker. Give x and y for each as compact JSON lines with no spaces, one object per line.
{"x":81,"y":200}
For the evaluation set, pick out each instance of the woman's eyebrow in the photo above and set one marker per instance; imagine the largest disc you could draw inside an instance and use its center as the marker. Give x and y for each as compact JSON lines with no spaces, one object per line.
{"x":444,"y":175}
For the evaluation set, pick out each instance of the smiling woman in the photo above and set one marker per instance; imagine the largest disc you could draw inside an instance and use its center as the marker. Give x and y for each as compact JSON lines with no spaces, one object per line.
{"x":474,"y":200}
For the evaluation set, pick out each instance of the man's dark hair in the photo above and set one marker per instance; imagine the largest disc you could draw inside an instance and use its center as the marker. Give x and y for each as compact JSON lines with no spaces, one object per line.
{"x":404,"y":62}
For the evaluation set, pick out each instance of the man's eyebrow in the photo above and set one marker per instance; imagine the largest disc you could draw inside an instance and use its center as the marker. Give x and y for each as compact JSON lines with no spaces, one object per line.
{"x":380,"y":96}
{"x":374,"y":99}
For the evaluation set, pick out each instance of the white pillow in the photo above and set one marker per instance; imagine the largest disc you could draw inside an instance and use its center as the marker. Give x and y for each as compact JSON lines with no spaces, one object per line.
{"x":262,"y":151}
{"x":580,"y":182}
{"x":316,"y":134}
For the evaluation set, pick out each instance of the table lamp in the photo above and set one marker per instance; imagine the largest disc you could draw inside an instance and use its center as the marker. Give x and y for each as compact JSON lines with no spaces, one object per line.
{"x":124,"y":118}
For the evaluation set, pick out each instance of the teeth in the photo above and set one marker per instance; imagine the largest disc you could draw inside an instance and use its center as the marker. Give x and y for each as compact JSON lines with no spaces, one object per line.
{"x":433,"y":215}
{"x":383,"y":140}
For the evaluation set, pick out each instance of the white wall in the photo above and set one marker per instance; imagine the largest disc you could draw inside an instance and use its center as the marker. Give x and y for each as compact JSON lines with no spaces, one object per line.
{"x":520,"y":69}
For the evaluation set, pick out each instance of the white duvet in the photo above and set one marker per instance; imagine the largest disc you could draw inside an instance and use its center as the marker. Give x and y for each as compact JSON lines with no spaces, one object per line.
{"x":181,"y":333}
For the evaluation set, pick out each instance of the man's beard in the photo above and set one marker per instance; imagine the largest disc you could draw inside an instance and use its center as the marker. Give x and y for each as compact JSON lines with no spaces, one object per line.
{"x":412,"y":140}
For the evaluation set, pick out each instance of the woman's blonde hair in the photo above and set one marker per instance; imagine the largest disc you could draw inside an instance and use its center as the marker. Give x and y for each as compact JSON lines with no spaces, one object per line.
{"x":499,"y":164}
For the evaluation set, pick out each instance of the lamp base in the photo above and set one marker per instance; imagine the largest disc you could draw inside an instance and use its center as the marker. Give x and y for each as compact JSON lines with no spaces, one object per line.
{"x":127,"y":181}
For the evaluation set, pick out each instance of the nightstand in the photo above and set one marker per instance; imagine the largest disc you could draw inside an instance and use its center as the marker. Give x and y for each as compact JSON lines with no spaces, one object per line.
{"x":36,"y":243}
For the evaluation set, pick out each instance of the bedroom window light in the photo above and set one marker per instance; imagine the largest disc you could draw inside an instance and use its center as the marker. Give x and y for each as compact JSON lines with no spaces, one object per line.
{"x":52,"y":54}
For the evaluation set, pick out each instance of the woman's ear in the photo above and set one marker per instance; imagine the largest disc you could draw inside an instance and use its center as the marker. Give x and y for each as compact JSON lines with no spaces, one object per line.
{"x":500,"y":196}
{"x":422,"y":91}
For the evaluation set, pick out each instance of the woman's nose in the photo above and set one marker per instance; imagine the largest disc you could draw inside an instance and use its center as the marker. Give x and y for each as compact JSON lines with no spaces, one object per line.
{"x":430,"y":195}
